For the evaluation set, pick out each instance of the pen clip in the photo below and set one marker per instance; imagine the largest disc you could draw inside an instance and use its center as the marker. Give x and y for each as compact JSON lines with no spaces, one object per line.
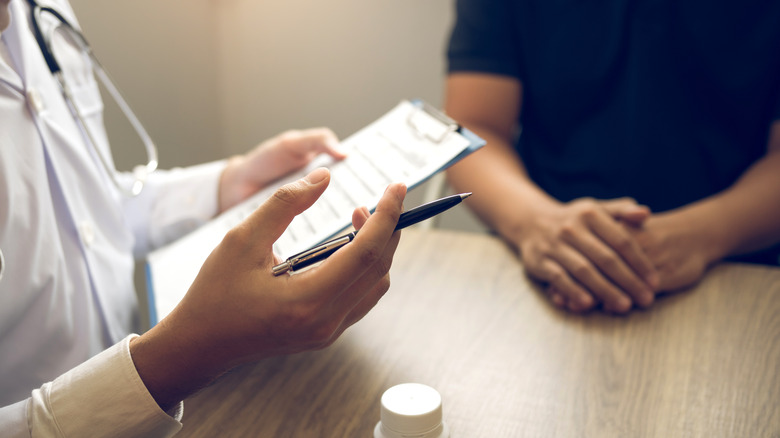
{"x":313,"y":255}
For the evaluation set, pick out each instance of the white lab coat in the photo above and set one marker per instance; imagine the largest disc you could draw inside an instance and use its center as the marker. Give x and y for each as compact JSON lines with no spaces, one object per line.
{"x":67,"y":234}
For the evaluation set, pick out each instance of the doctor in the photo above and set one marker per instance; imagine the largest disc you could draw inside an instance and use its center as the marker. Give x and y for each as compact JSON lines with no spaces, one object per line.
{"x":69,"y":229}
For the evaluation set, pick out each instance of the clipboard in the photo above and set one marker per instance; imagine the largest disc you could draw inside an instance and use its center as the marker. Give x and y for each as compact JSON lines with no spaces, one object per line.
{"x":409,"y":144}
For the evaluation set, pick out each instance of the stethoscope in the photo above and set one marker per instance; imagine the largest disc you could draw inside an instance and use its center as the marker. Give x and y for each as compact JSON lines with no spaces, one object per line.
{"x":140,"y":172}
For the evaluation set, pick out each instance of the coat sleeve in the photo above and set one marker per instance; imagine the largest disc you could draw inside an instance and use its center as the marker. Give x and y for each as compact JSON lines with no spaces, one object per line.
{"x":13,"y":420}
{"x":102,"y":397}
{"x":173,"y":203}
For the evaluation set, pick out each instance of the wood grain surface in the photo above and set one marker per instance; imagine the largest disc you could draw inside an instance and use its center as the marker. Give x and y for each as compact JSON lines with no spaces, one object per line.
{"x":462,"y":317}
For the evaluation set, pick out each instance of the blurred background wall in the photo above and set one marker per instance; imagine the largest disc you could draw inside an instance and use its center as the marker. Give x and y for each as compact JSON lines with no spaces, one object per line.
{"x":211,"y":78}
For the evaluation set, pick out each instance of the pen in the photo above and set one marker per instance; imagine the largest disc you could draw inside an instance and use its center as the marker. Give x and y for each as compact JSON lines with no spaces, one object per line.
{"x":411,"y":217}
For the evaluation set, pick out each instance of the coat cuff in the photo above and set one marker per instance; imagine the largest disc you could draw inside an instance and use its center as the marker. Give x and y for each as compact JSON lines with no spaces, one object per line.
{"x":104,"y":396}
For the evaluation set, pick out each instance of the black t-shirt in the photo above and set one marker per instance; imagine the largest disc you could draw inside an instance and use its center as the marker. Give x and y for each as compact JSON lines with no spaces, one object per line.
{"x":665,"y":101}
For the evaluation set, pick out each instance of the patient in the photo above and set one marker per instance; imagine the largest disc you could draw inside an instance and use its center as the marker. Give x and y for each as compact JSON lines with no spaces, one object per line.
{"x":650,"y":140}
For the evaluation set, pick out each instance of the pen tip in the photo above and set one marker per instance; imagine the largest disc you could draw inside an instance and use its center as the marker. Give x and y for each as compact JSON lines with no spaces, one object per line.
{"x":464,"y":195}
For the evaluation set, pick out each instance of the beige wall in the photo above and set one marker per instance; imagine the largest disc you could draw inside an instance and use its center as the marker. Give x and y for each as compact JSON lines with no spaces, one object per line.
{"x":211,"y":78}
{"x":339,"y":63}
{"x":161,"y":55}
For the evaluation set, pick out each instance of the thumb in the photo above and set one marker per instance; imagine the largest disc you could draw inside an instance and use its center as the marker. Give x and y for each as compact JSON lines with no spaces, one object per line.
{"x":627,"y":209}
{"x":274,"y":215}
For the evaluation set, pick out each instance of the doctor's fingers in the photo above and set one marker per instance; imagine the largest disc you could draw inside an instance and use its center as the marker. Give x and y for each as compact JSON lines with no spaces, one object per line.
{"x":360,"y":216}
{"x":264,"y":226}
{"x":369,"y":248}
{"x":362,"y":295}
{"x":366,"y":291}
{"x":368,"y":301}
{"x":314,"y":141}
{"x":338,"y":308}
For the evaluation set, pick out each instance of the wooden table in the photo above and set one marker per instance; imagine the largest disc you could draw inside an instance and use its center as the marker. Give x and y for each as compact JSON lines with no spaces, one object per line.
{"x":462,"y":317}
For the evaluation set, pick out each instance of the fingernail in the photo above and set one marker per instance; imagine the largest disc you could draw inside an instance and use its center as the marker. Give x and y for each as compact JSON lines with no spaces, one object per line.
{"x":401,"y":187}
{"x":403,"y":190}
{"x":317,"y":175}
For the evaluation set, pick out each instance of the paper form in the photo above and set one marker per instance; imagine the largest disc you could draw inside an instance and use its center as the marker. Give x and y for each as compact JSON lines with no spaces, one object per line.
{"x":405,"y":145}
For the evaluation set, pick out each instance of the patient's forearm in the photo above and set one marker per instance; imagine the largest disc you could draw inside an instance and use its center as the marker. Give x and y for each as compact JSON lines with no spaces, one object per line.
{"x":745,"y":217}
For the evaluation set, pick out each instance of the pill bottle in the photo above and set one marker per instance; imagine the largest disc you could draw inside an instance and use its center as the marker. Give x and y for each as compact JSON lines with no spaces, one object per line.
{"x":411,"y":410}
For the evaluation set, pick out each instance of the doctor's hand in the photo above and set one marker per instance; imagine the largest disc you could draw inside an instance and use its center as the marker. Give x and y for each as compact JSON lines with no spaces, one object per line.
{"x":236,"y":311}
{"x":583,"y":253}
{"x":289,"y":151}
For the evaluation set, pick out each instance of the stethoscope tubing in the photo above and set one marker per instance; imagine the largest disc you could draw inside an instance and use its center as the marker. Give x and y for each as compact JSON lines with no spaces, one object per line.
{"x":139,"y":172}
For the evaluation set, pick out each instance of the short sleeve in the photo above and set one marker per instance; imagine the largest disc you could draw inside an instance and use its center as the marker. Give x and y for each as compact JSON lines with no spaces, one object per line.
{"x":484,"y":38}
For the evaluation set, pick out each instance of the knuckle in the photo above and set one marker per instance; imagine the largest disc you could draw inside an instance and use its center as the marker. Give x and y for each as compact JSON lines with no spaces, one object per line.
{"x":581,"y":271}
{"x":589,"y":213}
{"x":289,"y":134}
{"x":286,"y":194}
{"x":382,"y":266}
{"x":622,"y":244}
{"x":607,"y":263}
{"x":369,"y":254}
{"x":383,"y":285}
{"x":556,"y":278}
{"x":323,"y":132}
{"x":587,"y":208}
{"x":567,"y":231}
{"x":236,"y":237}
{"x":585,"y":203}
{"x":322,"y":334}
{"x":289,"y":137}
{"x":536,"y":251}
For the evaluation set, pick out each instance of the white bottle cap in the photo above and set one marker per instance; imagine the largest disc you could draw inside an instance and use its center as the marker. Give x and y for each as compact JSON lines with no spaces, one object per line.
{"x":413,"y":410}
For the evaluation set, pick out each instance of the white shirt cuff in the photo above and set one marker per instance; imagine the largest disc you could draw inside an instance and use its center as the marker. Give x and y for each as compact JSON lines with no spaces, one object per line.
{"x":104,"y":396}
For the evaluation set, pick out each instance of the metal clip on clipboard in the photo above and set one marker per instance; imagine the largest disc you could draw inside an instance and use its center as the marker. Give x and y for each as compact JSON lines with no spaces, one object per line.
{"x":422,"y":127}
